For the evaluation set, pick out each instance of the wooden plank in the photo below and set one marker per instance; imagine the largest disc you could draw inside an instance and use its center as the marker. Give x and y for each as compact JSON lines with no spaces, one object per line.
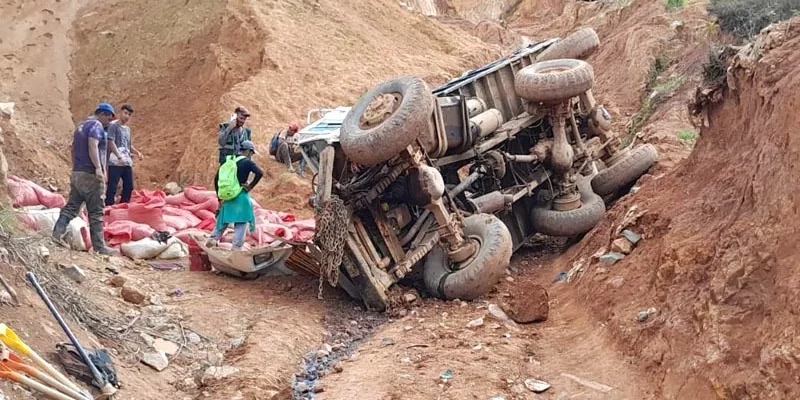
{"x":361,"y":231}
{"x":512,"y":101}
{"x":389,"y":237}
{"x":325,"y":176}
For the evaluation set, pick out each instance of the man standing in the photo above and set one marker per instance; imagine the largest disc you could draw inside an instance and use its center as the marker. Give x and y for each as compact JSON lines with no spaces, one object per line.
{"x":120,"y":161}
{"x":287,"y":149}
{"x":88,"y":177}
{"x":233,"y":191}
{"x":233,"y":133}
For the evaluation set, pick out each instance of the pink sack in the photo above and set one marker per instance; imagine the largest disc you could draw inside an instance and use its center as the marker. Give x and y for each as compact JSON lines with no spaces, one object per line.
{"x":177,"y":200}
{"x":199,"y":194}
{"x":120,"y":232}
{"x":205,"y":214}
{"x":26,"y":193}
{"x":183,"y":235}
{"x":190,"y":218}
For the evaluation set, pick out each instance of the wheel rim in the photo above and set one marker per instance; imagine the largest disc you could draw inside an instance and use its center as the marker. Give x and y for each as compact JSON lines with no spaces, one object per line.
{"x":466,"y":263}
{"x":567,"y":202}
{"x":380,"y":109}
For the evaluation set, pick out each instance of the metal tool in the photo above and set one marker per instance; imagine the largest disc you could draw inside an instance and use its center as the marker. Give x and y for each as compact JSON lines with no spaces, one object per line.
{"x":100,"y":381}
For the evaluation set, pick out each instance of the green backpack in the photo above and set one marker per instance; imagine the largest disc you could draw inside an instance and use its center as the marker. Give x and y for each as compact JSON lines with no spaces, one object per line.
{"x":228,"y":186}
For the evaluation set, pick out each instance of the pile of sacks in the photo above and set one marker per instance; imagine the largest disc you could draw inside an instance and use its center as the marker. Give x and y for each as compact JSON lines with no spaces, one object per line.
{"x":39,"y":208}
{"x":130,"y":226}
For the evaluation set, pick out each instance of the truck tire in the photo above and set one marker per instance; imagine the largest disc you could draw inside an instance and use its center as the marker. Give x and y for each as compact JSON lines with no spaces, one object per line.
{"x":554,"y":80}
{"x":626,"y":170}
{"x":369,"y":138}
{"x":479,"y":274}
{"x":573,"y":222}
{"x":578,"y":45}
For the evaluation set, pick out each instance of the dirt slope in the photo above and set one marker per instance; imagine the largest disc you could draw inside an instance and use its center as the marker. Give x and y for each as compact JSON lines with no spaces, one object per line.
{"x":716,"y":261}
{"x":34,"y":60}
{"x":186,"y":66}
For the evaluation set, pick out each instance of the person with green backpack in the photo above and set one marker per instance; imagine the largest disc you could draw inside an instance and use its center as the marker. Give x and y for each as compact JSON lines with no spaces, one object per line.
{"x":233,"y":192}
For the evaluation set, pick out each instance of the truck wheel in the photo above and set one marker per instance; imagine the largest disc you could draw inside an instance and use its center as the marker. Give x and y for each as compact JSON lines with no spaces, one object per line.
{"x":478,"y":274}
{"x":554,"y":80}
{"x":386,"y":120}
{"x":573,"y":222}
{"x":578,"y":45}
{"x":626,"y":170}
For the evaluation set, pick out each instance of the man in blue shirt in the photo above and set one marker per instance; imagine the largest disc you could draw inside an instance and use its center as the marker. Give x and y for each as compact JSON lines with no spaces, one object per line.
{"x":87,"y":183}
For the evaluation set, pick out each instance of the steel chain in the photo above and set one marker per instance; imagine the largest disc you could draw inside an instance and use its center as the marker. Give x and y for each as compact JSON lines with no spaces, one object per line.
{"x":331,"y":230}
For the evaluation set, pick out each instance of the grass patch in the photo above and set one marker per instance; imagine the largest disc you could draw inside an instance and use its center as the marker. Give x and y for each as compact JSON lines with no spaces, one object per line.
{"x":658,"y":91}
{"x":675,"y":4}
{"x":688,"y":136}
{"x":744,"y":19}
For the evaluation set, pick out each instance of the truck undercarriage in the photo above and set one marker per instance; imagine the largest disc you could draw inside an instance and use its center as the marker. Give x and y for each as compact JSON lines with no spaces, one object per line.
{"x":454,"y":180}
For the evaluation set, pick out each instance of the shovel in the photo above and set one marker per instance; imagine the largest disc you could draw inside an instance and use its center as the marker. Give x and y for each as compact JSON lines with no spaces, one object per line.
{"x":100,"y":381}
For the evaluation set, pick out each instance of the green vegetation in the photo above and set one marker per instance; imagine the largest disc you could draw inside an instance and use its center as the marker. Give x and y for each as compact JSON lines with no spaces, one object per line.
{"x":746,"y":18}
{"x":675,"y":4}
{"x":688,"y":137}
{"x":659,"y":89}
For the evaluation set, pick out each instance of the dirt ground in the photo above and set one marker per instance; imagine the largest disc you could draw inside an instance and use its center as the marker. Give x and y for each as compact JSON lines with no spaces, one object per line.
{"x":714,"y":263}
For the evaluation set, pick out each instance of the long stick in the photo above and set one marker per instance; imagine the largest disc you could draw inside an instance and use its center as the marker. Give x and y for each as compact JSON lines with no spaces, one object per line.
{"x":95,"y":373}
{"x":24,"y":380}
{"x":47,"y":379}
{"x":10,"y":338}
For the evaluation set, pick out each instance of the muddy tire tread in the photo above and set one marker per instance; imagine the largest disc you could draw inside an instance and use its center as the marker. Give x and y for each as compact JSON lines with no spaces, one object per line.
{"x":625,"y":171}
{"x":385,"y":141}
{"x":484,"y":271}
{"x":579,"y":45}
{"x":534,"y":86}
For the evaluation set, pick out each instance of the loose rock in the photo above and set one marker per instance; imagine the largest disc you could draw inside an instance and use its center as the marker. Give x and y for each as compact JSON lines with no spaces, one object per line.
{"x":75,"y":273}
{"x":193,"y":338}
{"x":117,"y":281}
{"x":410,"y":298}
{"x":643,"y":316}
{"x":302,"y":387}
{"x":533,"y":306}
{"x":213,"y":372}
{"x":172,"y":188}
{"x":611,"y":258}
{"x":157,"y":360}
{"x":475,"y":323}
{"x":621,"y":245}
{"x":616,"y":281}
{"x":536,"y":386}
{"x":133,"y":295}
{"x":338,"y":367}
{"x":165,"y":346}
{"x":44,"y":252}
{"x":632,"y":236}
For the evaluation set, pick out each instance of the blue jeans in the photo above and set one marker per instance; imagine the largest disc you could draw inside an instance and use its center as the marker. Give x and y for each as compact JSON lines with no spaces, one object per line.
{"x":239,"y":233}
{"x":114,"y":176}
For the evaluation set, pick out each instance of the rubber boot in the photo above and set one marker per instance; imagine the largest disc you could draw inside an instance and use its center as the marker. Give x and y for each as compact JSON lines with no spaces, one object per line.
{"x":60,"y":231}
{"x":98,"y":243}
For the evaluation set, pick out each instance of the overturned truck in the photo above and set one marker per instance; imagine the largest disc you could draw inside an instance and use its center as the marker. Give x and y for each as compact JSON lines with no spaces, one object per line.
{"x":454,"y":180}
